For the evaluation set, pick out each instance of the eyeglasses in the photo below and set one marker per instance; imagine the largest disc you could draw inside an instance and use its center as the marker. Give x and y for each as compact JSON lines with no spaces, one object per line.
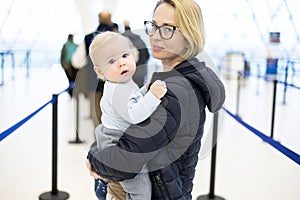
{"x":165,"y":31}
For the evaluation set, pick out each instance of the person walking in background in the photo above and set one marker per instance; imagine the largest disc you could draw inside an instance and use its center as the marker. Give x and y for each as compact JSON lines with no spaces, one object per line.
{"x":67,"y":51}
{"x":88,"y":83}
{"x":141,"y":70}
{"x":92,"y":86}
{"x":115,"y":26}
{"x":173,"y":133}
{"x":123,"y":102}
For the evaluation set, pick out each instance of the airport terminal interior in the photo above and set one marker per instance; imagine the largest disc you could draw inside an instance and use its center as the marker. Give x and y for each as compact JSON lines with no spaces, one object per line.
{"x":253,"y":46}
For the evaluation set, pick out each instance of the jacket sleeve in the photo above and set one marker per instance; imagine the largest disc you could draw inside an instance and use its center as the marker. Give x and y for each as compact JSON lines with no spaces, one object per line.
{"x":79,"y":58}
{"x":103,"y":170}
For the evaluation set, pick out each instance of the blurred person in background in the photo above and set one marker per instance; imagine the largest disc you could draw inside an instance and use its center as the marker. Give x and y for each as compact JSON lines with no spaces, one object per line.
{"x":143,"y":57}
{"x":87,"y":81}
{"x":67,"y":51}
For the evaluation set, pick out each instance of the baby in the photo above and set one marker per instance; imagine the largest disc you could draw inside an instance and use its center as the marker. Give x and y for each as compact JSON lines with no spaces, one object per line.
{"x":122,"y":103}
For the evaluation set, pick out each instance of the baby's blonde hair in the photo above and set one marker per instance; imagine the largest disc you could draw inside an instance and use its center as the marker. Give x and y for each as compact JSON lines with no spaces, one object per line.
{"x":101,"y":41}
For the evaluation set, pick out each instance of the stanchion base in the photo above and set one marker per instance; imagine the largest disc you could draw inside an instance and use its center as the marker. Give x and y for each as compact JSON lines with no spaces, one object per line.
{"x":76,"y":142}
{"x":206,"y":197}
{"x":49,"y":196}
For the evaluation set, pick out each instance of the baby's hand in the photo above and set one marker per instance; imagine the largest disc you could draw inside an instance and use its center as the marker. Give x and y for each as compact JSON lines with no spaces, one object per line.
{"x":158,"y":89}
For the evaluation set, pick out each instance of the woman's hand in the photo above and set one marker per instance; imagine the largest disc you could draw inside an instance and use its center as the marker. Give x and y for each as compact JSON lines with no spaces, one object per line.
{"x":92,"y":173}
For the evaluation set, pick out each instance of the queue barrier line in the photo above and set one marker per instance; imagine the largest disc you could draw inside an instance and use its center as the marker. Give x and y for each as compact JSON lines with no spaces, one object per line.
{"x":284,"y":150}
{"x":287,"y":152}
{"x":10,"y":130}
{"x":289,"y":84}
{"x":23,"y":121}
{"x":264,"y":77}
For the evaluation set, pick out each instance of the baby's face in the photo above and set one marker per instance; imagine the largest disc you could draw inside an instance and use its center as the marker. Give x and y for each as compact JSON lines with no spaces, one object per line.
{"x":118,"y":62}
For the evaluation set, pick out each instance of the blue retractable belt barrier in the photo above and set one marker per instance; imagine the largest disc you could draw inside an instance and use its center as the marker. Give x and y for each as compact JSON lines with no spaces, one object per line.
{"x":287,"y":152}
{"x":20,"y":123}
{"x":23,"y":121}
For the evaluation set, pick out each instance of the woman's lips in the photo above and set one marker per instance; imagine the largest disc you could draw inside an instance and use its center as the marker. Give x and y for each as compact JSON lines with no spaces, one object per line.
{"x":157,"y":48}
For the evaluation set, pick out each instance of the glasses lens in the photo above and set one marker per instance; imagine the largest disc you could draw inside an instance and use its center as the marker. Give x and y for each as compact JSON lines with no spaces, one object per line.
{"x":149,"y":28}
{"x":166,"y":31}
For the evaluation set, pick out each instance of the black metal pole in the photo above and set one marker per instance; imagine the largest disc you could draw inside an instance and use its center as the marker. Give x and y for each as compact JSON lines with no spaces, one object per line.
{"x":273,"y":107}
{"x":27,"y":63}
{"x":54,"y":194}
{"x":77,"y":139}
{"x":2,"y":69}
{"x":12,"y":65}
{"x":285,"y":83}
{"x":258,"y":76}
{"x":238,"y":93}
{"x":213,"y":158}
{"x":77,"y":119}
{"x":211,"y":194}
{"x":54,"y":145}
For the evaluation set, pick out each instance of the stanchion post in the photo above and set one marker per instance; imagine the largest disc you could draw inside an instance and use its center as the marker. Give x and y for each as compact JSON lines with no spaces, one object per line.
{"x":27,"y":62}
{"x":12,"y":65}
{"x":54,"y":194}
{"x":2,"y":69}
{"x":273,"y":107}
{"x":285,"y":83}
{"x":238,"y":93}
{"x":258,"y":76}
{"x":211,"y":195}
{"x":77,"y":139}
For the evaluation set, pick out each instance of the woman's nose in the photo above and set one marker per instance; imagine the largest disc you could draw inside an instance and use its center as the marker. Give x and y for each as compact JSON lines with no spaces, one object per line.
{"x":156,"y":35}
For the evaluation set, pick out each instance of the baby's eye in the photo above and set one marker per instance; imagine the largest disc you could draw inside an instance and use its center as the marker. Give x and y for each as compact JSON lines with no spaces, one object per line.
{"x":111,"y":61}
{"x":125,"y":55}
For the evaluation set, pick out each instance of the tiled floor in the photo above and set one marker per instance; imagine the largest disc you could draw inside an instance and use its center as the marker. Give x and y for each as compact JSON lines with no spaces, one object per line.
{"x":247,"y":168}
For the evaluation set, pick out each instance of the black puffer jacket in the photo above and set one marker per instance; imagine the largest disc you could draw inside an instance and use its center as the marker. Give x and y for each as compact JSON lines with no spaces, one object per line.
{"x":169,"y":140}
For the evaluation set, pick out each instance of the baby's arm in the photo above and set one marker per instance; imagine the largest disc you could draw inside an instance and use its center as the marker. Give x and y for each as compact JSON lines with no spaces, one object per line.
{"x":142,"y":106}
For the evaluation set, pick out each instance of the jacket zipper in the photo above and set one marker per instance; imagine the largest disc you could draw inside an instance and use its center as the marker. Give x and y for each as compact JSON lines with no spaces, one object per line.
{"x":162,"y":188}
{"x":158,"y":180}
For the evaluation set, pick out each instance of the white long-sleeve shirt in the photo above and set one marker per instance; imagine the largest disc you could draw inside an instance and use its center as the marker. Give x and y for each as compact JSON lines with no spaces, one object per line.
{"x":123,"y":104}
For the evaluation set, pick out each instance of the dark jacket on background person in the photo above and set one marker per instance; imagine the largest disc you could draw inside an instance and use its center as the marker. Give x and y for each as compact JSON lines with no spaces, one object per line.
{"x":87,"y":80}
{"x":94,"y":84}
{"x":141,"y":65}
{"x":171,"y":151}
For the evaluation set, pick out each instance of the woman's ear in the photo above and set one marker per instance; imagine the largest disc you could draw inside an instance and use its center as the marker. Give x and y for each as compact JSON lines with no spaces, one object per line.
{"x":99,"y":72}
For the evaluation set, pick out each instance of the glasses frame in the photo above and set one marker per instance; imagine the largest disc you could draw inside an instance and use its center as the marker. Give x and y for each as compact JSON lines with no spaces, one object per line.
{"x":158,"y":27}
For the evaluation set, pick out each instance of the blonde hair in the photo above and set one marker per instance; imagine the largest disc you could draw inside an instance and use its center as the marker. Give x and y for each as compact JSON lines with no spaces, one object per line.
{"x":190,"y":22}
{"x":99,"y":42}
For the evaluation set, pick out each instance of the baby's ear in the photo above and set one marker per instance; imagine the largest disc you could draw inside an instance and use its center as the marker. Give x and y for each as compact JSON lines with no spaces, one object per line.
{"x":99,"y":72}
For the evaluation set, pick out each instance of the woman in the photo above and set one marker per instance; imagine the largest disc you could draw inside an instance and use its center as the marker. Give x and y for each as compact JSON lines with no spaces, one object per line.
{"x":172,"y":134}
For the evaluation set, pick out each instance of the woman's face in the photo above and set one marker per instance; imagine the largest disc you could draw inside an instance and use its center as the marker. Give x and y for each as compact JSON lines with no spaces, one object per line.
{"x":168,"y":51}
